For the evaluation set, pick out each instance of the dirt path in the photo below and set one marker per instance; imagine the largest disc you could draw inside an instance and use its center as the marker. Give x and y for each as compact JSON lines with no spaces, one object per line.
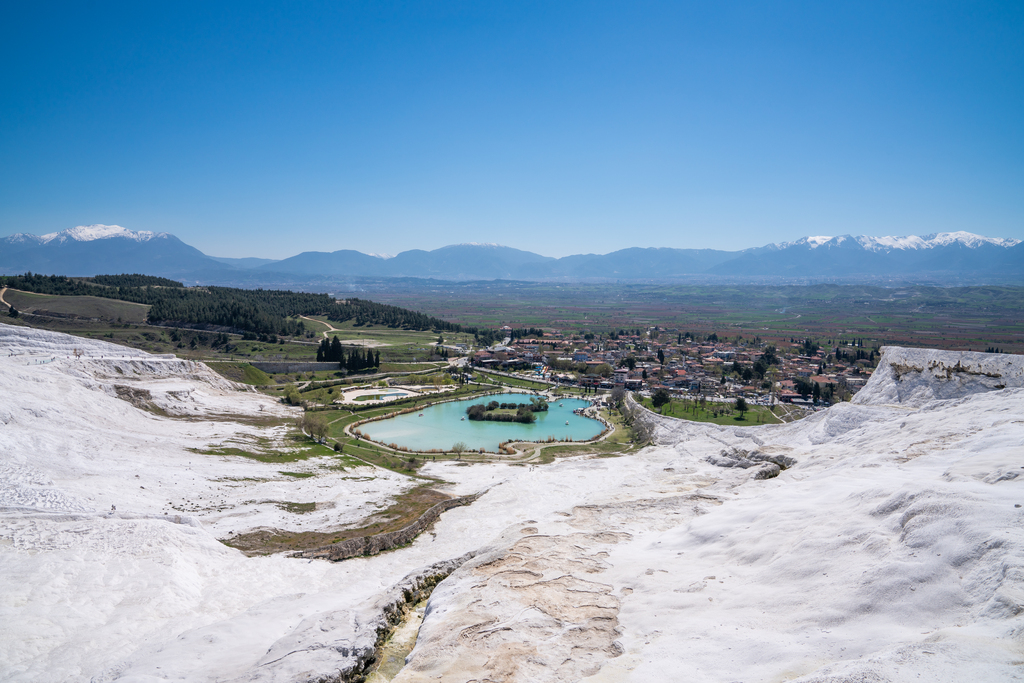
{"x":2,"y":292}
{"x":321,"y":322}
{"x":364,"y":343}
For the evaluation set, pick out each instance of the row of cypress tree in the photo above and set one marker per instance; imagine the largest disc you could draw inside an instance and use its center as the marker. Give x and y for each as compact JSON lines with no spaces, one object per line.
{"x":353,"y":361}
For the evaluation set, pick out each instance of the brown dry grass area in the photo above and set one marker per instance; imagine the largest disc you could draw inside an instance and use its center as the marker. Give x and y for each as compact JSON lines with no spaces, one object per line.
{"x":406,"y":509}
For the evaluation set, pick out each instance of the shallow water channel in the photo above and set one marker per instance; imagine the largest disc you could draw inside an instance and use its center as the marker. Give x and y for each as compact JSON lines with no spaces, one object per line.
{"x":401,"y":643}
{"x":439,"y":426}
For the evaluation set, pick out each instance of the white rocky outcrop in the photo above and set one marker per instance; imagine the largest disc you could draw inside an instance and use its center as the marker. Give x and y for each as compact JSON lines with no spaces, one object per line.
{"x":913,"y":377}
{"x":889,"y":547}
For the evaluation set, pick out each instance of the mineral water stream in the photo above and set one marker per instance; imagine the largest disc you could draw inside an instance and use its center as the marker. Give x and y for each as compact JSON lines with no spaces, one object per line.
{"x":394,"y":652}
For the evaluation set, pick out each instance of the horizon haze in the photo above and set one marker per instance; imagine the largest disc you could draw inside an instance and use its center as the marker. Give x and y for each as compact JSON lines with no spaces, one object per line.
{"x":952,"y":258}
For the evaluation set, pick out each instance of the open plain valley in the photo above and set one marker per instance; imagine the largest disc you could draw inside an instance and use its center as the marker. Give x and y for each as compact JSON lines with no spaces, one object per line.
{"x":879,"y":540}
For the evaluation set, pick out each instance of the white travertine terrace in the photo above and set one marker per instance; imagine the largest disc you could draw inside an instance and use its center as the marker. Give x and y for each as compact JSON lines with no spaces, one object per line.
{"x":892,"y":550}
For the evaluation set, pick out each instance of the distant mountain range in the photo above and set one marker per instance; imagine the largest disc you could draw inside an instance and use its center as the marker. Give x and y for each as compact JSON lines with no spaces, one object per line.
{"x":943,"y":258}
{"x":97,"y":249}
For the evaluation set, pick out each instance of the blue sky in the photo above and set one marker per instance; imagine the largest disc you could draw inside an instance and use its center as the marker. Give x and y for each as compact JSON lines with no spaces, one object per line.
{"x":265,"y":130}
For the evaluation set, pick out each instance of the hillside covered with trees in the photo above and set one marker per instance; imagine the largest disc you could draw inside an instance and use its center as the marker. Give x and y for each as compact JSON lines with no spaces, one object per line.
{"x":261,"y":311}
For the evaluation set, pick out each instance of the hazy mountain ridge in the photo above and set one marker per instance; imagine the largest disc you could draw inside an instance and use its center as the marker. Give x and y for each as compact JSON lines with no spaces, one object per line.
{"x":938,"y":257}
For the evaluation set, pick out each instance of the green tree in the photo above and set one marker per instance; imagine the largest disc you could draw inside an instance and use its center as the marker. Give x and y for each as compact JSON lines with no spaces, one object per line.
{"x":618,"y":396}
{"x":741,"y":406}
{"x":314,"y":424}
{"x":660,"y":398}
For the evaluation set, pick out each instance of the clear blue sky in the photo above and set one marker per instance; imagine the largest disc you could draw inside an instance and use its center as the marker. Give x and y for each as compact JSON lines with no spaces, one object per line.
{"x":255,"y":129}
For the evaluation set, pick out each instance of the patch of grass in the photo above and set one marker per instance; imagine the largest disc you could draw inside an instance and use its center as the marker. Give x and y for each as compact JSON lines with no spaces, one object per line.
{"x":344,"y":462}
{"x":381,"y":457}
{"x":299,"y":475}
{"x":404,"y":509}
{"x":296,"y":508}
{"x":510,"y":381}
{"x":241,"y":372}
{"x":686,"y":409}
{"x":253,"y":375}
{"x":82,"y":306}
{"x":409,"y":367}
{"x":305,"y":449}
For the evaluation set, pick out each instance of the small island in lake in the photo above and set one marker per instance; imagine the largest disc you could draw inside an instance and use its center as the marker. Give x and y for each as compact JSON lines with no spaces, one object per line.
{"x":508,"y":412}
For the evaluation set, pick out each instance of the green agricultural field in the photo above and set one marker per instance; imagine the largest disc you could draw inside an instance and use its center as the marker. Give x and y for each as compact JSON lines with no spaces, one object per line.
{"x":939,"y":317}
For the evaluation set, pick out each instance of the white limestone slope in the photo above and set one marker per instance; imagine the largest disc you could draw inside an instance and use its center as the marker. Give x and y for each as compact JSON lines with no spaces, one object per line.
{"x":913,"y":377}
{"x":891,"y":551}
{"x":146,"y":591}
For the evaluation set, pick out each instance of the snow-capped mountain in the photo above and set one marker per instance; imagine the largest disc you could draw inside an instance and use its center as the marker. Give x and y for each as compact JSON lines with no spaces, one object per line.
{"x":942,"y":258}
{"x":88,"y":250}
{"x":85,"y":233}
{"x":945,"y":257}
{"x":890,"y":243}
{"x":88,"y":233}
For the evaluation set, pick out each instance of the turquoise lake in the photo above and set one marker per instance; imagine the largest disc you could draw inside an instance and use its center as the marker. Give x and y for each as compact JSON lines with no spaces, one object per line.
{"x":442,"y":425}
